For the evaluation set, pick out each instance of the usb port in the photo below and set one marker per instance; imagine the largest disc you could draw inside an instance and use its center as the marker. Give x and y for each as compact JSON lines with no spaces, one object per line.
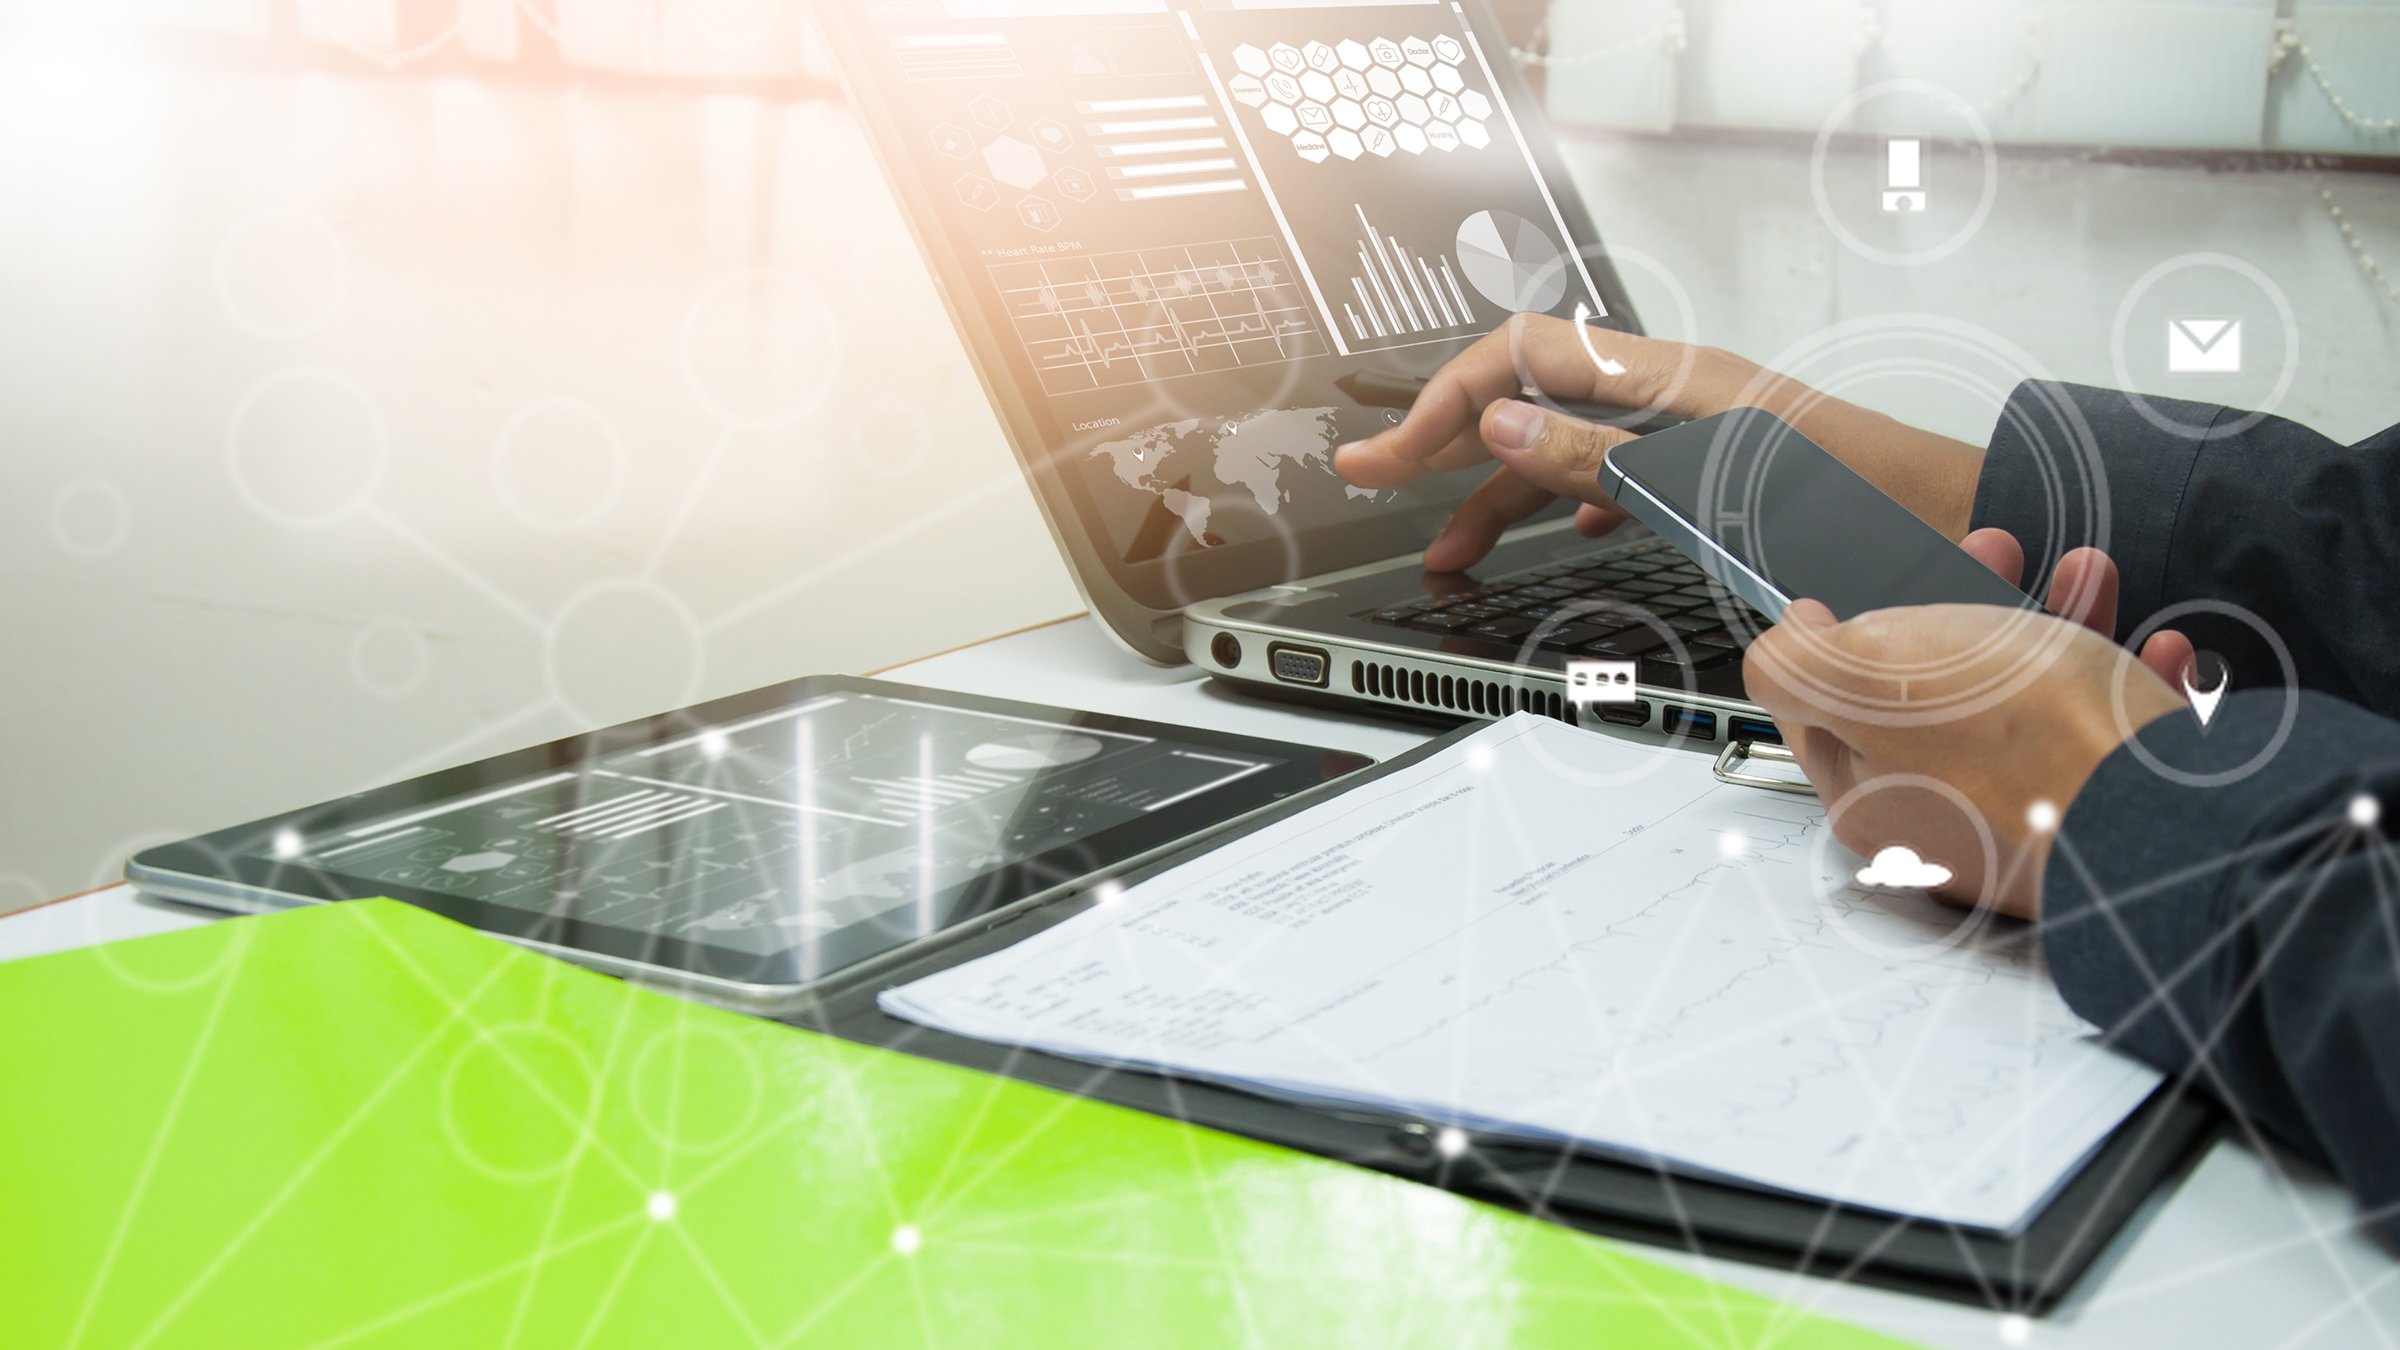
{"x":1634,"y":714}
{"x":1298,"y":665}
{"x":1754,"y":729}
{"x":1700,"y":726}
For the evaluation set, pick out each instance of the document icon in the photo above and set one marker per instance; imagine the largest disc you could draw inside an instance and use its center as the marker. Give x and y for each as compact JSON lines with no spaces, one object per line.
{"x":1590,"y":682}
{"x":2204,"y":346}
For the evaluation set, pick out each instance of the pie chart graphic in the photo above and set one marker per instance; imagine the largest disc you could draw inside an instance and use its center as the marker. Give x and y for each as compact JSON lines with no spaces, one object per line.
{"x":1030,"y":754}
{"x":1511,"y":262}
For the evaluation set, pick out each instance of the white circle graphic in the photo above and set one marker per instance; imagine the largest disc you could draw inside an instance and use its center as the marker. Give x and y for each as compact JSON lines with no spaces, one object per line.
{"x":559,"y":464}
{"x":691,"y":1121}
{"x":1969,"y":922}
{"x":517,"y":1101}
{"x":1971,"y":120}
{"x":307,"y":447}
{"x":2121,"y":362}
{"x":622,"y":649}
{"x":89,"y":518}
{"x":389,"y":658}
{"x":2166,"y":618}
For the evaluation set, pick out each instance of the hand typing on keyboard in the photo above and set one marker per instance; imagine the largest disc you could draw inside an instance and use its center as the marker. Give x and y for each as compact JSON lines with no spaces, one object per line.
{"x":1471,"y":412}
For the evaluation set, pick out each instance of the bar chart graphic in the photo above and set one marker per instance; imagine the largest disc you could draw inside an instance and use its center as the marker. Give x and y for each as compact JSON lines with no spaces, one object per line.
{"x":1399,"y":296}
{"x":1110,"y":319}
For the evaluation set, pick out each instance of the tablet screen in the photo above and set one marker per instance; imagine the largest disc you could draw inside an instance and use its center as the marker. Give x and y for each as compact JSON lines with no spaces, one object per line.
{"x":779,"y":846}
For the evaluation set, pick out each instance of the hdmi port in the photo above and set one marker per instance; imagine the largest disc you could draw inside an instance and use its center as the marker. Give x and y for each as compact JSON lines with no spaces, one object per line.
{"x":1634,"y":714}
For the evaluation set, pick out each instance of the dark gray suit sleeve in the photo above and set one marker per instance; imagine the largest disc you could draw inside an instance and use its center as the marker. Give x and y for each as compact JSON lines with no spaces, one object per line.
{"x":2211,"y":904}
{"x":2216,"y":504}
{"x":2214,"y":904}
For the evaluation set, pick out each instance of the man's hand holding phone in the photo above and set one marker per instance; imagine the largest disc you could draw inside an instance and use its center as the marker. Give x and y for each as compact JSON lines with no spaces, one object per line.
{"x":2018,"y":762}
{"x":1473,"y":411}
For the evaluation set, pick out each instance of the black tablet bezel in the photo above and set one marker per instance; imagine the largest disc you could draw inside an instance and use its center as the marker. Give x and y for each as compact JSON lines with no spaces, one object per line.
{"x":233,"y":856}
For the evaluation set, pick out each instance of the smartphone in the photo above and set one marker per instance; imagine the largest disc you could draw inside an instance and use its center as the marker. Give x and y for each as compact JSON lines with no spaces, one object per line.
{"x":1774,"y":517}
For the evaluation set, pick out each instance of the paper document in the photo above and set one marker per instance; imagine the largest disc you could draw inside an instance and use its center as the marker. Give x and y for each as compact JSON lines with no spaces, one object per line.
{"x":1552,"y":934}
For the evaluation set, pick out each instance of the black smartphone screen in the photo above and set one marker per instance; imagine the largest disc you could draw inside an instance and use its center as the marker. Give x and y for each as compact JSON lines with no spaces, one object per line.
{"x":1748,"y":488}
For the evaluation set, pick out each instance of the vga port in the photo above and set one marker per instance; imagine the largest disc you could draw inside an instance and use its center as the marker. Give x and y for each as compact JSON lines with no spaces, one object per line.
{"x":1298,"y":665}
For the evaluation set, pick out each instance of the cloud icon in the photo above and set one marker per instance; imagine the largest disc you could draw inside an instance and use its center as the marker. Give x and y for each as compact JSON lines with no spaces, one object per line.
{"x":1900,"y":869}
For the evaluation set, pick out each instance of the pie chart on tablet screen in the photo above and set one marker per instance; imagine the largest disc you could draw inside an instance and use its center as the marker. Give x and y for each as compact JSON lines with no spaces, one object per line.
{"x":1031,"y":754}
{"x":1511,"y":262}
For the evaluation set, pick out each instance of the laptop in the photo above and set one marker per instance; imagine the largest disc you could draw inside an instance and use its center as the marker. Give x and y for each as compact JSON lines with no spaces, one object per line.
{"x":1191,"y":246}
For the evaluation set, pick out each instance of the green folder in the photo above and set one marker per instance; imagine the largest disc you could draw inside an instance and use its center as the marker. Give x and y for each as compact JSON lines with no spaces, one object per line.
{"x":360,"y":1124}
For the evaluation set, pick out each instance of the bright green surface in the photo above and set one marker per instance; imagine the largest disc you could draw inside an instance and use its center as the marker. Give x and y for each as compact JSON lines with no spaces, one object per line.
{"x":361,"y":1124}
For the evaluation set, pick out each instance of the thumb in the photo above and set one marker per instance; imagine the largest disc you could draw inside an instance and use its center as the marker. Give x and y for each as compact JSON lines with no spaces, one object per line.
{"x":2170,"y":656}
{"x":1555,"y":452}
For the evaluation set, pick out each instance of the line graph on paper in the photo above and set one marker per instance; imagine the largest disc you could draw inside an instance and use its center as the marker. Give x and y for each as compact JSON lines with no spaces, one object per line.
{"x":1110,"y":319}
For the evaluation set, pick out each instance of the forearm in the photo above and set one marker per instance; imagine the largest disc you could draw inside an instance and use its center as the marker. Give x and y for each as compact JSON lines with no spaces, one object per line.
{"x":2253,"y":516}
{"x":2214,"y":904}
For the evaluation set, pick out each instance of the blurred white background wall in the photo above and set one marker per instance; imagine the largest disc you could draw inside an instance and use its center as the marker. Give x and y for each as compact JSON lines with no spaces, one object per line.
{"x":382,"y":384}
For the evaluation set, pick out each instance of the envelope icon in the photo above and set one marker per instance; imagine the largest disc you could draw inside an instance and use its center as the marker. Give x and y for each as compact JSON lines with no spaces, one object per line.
{"x":2204,"y":346}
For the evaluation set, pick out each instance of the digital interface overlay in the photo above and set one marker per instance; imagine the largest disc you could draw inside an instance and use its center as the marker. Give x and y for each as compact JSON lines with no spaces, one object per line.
{"x":831,"y":827}
{"x":1188,"y":223}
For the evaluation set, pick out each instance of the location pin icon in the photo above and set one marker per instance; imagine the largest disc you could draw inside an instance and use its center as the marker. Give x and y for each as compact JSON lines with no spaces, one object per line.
{"x":2205,"y":669}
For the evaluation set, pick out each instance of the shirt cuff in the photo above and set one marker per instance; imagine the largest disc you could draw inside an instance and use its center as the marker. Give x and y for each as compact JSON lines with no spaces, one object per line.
{"x":2071,"y":466}
{"x":2141,"y":910}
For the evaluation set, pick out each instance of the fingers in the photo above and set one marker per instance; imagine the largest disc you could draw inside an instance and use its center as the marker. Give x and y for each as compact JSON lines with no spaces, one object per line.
{"x":1805,"y":667}
{"x":1999,"y":551}
{"x":1443,"y":417}
{"x":1563,"y":360}
{"x":1502,"y":501}
{"x":1559,"y":454}
{"x":2169,"y":655}
{"x":1829,"y":762}
{"x":2084,"y":591}
{"x":1593,"y":520}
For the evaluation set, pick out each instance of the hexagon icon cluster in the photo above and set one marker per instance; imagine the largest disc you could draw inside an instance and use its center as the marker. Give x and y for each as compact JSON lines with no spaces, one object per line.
{"x":999,"y":157}
{"x":1364,"y":98}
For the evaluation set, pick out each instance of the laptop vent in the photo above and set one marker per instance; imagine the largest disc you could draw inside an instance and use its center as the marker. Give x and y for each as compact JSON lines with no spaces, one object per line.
{"x":1454,"y":694}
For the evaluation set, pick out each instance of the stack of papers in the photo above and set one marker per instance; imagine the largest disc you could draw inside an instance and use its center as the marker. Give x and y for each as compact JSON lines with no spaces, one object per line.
{"x":1554,"y":935}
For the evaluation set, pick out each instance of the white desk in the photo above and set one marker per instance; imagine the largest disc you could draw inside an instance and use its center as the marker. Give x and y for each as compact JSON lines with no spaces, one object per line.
{"x":2235,"y":1256}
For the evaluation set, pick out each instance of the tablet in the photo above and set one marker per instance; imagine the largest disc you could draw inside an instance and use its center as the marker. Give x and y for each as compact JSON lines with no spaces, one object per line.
{"x":765,"y":848}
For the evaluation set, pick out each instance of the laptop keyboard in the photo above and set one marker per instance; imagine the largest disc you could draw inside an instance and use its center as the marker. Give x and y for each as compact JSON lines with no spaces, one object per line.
{"x":1610,"y":608}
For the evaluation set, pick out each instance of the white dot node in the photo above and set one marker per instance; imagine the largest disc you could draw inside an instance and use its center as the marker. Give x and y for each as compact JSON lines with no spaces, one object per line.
{"x":2365,"y":810}
{"x":287,"y":843}
{"x":2042,"y":816}
{"x":1479,"y":758}
{"x":661,"y":1206}
{"x":1108,"y":892}
{"x":2015,"y":1329}
{"x":1731,"y":845}
{"x":906,"y":1239}
{"x":1450,"y":1142}
{"x":713,"y":743}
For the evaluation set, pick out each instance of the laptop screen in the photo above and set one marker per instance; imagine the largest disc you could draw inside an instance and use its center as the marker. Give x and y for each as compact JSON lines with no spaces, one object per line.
{"x":1173,"y":228}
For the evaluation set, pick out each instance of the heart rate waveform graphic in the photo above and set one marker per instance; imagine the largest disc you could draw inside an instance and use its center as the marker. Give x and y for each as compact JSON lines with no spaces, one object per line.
{"x":1111,"y":319}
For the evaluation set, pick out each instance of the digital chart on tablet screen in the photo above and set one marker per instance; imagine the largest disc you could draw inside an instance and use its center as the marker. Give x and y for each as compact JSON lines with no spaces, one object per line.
{"x":835,"y":827}
{"x":1187,"y":221}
